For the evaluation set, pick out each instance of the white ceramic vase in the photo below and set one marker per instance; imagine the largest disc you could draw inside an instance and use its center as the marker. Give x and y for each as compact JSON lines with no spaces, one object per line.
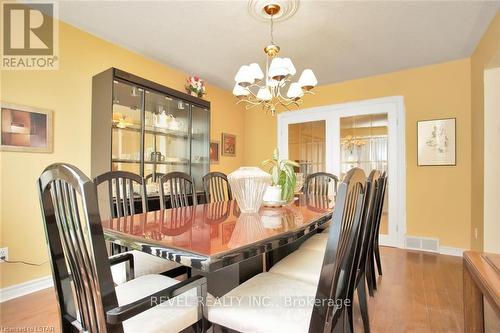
{"x":248,"y":185}
{"x":273,"y":193}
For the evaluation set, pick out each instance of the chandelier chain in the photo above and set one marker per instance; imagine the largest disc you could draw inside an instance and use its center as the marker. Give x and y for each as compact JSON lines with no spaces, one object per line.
{"x":272,"y":29}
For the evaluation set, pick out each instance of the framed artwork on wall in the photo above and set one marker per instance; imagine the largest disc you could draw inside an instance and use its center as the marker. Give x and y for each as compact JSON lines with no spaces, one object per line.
{"x":25,"y":129}
{"x":228,"y":144}
{"x":436,"y":140}
{"x":214,"y":152}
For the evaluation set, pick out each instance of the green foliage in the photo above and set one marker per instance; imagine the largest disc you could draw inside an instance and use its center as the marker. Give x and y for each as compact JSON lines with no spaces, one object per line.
{"x":282,"y":174}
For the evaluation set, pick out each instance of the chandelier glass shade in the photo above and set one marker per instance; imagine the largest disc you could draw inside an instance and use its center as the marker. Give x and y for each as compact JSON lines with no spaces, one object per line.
{"x":274,"y":87}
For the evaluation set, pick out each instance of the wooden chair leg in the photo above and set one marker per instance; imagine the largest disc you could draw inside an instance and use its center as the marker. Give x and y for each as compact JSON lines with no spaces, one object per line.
{"x":363,"y":303}
{"x":340,"y":325}
{"x":349,"y":317}
{"x":369,"y":276}
{"x":373,"y":275}
{"x":377,"y":257}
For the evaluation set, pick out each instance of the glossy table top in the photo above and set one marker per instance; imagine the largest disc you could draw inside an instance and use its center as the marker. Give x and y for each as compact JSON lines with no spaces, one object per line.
{"x":215,"y":232}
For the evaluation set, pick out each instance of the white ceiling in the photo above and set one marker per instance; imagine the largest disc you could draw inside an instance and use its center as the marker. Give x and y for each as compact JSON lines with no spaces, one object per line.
{"x":339,"y":40}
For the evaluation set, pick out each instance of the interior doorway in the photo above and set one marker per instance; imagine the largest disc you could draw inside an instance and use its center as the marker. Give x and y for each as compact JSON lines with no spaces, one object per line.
{"x":365,"y":134}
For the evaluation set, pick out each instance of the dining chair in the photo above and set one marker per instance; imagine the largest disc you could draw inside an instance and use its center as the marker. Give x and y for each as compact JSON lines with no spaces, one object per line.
{"x":336,"y":278}
{"x":216,"y":212}
{"x":121,"y":199}
{"x":305,"y":263}
{"x":177,"y":221}
{"x":319,"y":183}
{"x":179,"y":186}
{"x":375,"y":249}
{"x":364,"y":270}
{"x":153,"y":177}
{"x":81,"y":270}
{"x":216,"y":187}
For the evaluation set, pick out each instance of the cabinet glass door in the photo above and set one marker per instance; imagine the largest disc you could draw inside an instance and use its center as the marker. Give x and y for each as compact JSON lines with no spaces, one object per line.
{"x":199,"y":144}
{"x":126,"y":132}
{"x":166,"y":135}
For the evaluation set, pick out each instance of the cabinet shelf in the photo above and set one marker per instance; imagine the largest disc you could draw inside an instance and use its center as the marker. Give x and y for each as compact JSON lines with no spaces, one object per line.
{"x":116,"y":160}
{"x":351,"y":162}
{"x":158,"y":131}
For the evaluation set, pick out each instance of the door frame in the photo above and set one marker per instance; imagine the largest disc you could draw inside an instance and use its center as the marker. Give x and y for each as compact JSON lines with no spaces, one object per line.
{"x":394,"y":107}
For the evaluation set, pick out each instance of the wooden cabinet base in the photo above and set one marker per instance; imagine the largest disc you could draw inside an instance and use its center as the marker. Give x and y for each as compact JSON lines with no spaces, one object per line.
{"x":481,"y":282}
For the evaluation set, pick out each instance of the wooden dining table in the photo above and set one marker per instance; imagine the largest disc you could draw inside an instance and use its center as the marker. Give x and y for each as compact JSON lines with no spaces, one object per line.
{"x":216,"y":239}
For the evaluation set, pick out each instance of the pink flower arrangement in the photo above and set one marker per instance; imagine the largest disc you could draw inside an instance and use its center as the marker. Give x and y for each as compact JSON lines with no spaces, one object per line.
{"x":195,"y":86}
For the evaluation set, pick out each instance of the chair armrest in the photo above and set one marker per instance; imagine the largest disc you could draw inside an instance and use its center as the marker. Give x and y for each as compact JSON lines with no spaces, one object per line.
{"x":124,"y":257}
{"x":122,"y":313}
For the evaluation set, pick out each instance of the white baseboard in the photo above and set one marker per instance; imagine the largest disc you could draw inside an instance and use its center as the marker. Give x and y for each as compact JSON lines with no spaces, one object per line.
{"x":445,"y":250}
{"x":25,"y":288}
{"x":451,"y":251}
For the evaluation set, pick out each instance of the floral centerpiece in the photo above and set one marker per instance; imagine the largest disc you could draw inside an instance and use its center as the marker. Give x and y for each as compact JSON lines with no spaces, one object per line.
{"x":195,"y":86}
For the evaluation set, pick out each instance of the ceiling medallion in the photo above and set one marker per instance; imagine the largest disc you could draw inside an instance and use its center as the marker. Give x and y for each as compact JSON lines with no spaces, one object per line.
{"x":254,"y":87}
{"x":287,"y":9}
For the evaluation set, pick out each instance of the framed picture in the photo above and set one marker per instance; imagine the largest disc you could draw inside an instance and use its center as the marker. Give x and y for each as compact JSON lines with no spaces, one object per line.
{"x":25,"y":129}
{"x":214,"y":152}
{"x":228,"y":144}
{"x":436,"y":141}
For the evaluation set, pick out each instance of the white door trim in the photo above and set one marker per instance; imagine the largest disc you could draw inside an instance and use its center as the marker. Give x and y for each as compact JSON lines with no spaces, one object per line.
{"x":394,"y":107}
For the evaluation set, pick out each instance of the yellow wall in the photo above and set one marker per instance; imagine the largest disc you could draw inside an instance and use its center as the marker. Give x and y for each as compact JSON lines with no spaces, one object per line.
{"x":438,"y":198}
{"x":491,"y":160}
{"x":67,"y":92}
{"x":486,"y":55}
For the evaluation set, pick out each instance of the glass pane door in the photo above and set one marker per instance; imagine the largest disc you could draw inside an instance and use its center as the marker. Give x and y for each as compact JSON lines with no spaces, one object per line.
{"x":126,"y":133}
{"x":306,"y":146}
{"x":166,"y":135}
{"x":200,"y":143}
{"x":364,"y":144}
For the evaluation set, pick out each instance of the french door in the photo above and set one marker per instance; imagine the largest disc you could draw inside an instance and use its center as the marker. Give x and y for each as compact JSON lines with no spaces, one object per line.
{"x":367,"y":134}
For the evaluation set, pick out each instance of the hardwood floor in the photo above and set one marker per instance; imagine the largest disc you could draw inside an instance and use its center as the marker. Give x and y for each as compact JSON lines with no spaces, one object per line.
{"x":419,"y":292}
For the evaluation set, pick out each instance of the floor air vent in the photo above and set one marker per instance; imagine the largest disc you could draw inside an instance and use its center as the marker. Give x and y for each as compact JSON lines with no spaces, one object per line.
{"x":422,"y":243}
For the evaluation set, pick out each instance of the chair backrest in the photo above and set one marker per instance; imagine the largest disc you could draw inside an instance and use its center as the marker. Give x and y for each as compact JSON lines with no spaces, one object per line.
{"x":77,"y":249}
{"x":216,"y":187}
{"x":379,"y":205}
{"x":338,"y":270}
{"x":153,"y":177}
{"x":121,"y":196}
{"x":319,"y":183}
{"x":216,"y":212}
{"x":176,"y":221}
{"x":318,"y":203}
{"x":368,"y":221}
{"x":177,"y":186}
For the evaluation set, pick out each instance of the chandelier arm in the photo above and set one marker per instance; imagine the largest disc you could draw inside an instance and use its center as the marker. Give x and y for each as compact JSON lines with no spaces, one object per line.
{"x":250,"y":106}
{"x":249,"y":101}
{"x":287,"y":101}
{"x":252,"y":93}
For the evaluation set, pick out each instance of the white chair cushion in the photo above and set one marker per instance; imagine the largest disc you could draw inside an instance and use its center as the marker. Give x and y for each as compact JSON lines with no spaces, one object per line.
{"x":144,"y":264}
{"x":274,"y":314}
{"x":303,"y":265}
{"x":164,"y":318}
{"x":316,"y":242}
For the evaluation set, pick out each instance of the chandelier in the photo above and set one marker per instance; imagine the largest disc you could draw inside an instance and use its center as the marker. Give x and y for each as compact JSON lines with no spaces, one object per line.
{"x":350,"y":142}
{"x":254,"y":87}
